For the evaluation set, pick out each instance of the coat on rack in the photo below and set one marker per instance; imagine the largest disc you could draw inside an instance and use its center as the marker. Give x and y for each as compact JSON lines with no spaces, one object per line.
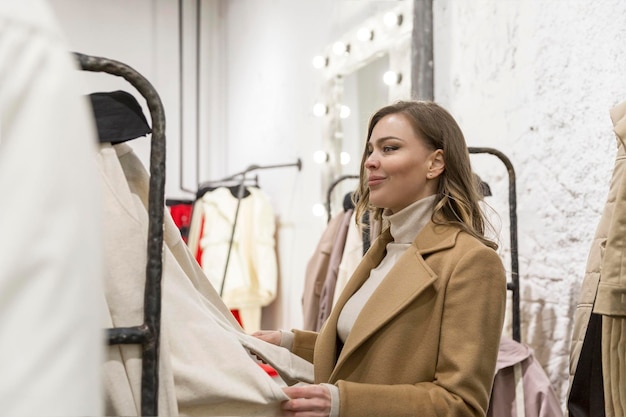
{"x":602,"y":292}
{"x":521,"y":387}
{"x":315,"y":274}
{"x":205,"y":367}
{"x":328,"y":289}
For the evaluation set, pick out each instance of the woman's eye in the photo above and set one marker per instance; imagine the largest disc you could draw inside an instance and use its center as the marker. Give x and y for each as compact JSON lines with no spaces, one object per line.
{"x":389,"y":148}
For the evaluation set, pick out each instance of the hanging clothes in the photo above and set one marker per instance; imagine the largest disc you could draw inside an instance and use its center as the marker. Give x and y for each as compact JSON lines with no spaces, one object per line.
{"x":205,"y":364}
{"x":602,"y":293}
{"x":181,"y":211}
{"x":328,"y":289}
{"x":315,"y":273}
{"x":611,"y":297}
{"x":248,"y":255}
{"x":205,"y":368}
{"x":521,"y":387}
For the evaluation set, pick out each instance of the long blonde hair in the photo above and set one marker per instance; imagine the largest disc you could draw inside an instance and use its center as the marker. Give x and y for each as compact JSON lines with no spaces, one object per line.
{"x":457,"y":193}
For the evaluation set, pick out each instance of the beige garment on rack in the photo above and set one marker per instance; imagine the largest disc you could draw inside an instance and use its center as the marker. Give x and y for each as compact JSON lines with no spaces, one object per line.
{"x":603,"y":284}
{"x":205,"y":367}
{"x":611,"y":296}
{"x":241,"y":261}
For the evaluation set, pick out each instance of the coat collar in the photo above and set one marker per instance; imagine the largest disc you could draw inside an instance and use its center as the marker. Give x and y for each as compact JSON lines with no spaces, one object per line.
{"x":405,"y":281}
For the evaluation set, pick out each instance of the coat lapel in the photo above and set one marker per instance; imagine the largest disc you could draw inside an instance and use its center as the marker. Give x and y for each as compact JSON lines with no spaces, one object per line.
{"x":326,"y":345}
{"x":403,"y":284}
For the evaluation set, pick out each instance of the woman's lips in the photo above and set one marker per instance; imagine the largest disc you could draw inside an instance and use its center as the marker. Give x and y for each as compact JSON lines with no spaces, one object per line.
{"x":373,"y":181}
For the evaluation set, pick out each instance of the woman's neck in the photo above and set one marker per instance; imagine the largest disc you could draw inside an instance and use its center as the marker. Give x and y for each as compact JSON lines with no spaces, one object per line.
{"x":407,"y":223}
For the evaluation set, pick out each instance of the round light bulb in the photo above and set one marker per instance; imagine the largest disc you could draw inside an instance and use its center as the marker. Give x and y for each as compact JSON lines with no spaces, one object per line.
{"x":365,"y":34}
{"x":340,"y":48}
{"x":318,"y":210}
{"x":344,"y":111}
{"x":392,"y":19}
{"x":320,"y":157}
{"x":320,"y":109}
{"x":344,"y":158}
{"x":392,"y":77}
{"x":319,"y":61}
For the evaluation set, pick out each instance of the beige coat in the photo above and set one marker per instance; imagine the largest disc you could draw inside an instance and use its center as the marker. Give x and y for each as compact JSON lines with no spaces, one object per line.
{"x":611,"y":298}
{"x":426,"y":342}
{"x":603,"y":288}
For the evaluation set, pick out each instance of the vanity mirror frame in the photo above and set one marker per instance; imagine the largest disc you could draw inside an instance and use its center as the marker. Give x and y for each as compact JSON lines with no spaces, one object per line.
{"x":377,"y":36}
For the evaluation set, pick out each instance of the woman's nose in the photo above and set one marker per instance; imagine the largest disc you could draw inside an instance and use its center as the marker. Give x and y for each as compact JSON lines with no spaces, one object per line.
{"x":372,"y":162}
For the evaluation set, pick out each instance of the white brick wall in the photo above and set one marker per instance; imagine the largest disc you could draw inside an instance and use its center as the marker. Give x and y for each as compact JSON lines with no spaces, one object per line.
{"x":535,"y":80}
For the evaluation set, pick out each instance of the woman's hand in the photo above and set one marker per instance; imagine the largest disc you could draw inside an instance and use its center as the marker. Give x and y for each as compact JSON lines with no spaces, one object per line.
{"x":269,"y":336}
{"x":307,"y":401}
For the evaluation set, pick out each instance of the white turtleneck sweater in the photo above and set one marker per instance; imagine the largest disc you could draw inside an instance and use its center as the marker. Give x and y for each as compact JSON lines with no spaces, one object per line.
{"x":404,"y":227}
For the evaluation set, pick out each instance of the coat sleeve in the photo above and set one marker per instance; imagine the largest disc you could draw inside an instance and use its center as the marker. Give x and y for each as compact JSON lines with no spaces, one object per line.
{"x":304,"y":344}
{"x":471,"y":326}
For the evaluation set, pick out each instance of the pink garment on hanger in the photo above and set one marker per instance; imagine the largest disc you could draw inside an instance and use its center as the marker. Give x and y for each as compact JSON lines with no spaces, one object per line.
{"x":539,"y":400}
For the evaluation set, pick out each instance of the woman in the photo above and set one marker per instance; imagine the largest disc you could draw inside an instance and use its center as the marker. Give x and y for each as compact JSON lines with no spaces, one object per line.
{"x":417,"y":328}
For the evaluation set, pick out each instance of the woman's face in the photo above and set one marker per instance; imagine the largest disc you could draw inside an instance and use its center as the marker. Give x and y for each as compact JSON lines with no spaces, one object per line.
{"x":401,"y":169}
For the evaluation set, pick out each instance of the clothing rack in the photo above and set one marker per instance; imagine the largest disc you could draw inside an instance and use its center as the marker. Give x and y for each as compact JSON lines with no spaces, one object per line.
{"x":146,"y":334}
{"x":513,"y":284}
{"x":240,"y":194}
{"x":251,"y":168}
{"x":232,"y":184}
{"x":330,"y":192}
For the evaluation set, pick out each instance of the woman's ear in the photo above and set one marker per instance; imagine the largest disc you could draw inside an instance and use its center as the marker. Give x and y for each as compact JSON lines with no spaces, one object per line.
{"x":437,"y":164}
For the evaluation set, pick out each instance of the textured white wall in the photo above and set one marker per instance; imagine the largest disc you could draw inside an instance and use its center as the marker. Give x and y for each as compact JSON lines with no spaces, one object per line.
{"x":535,"y":79}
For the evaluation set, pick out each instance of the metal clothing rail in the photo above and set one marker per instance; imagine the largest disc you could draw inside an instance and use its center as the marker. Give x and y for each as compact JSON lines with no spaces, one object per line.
{"x":330,"y":192}
{"x":146,"y":334}
{"x":513,"y":284}
{"x":251,"y":168}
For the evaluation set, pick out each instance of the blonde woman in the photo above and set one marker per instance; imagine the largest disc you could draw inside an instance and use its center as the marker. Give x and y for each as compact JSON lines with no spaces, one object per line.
{"x":417,"y":328}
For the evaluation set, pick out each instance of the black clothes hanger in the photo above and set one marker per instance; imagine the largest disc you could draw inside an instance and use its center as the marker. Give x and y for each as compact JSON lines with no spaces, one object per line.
{"x":231,"y":184}
{"x":119,"y":117}
{"x":347,"y":202}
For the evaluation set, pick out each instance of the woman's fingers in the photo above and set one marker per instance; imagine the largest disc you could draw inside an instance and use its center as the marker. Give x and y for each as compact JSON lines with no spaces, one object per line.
{"x":269,"y":336}
{"x":307,"y":401}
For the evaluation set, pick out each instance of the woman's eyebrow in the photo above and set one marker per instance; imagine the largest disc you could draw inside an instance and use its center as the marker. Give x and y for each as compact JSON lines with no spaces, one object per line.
{"x":384,"y":139}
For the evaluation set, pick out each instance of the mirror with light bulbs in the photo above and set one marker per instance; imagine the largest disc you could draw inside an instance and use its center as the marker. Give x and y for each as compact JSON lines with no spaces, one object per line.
{"x":365,"y":69}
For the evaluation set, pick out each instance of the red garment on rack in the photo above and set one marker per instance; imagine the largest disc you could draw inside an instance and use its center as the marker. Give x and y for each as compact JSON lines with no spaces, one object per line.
{"x":181,"y":213}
